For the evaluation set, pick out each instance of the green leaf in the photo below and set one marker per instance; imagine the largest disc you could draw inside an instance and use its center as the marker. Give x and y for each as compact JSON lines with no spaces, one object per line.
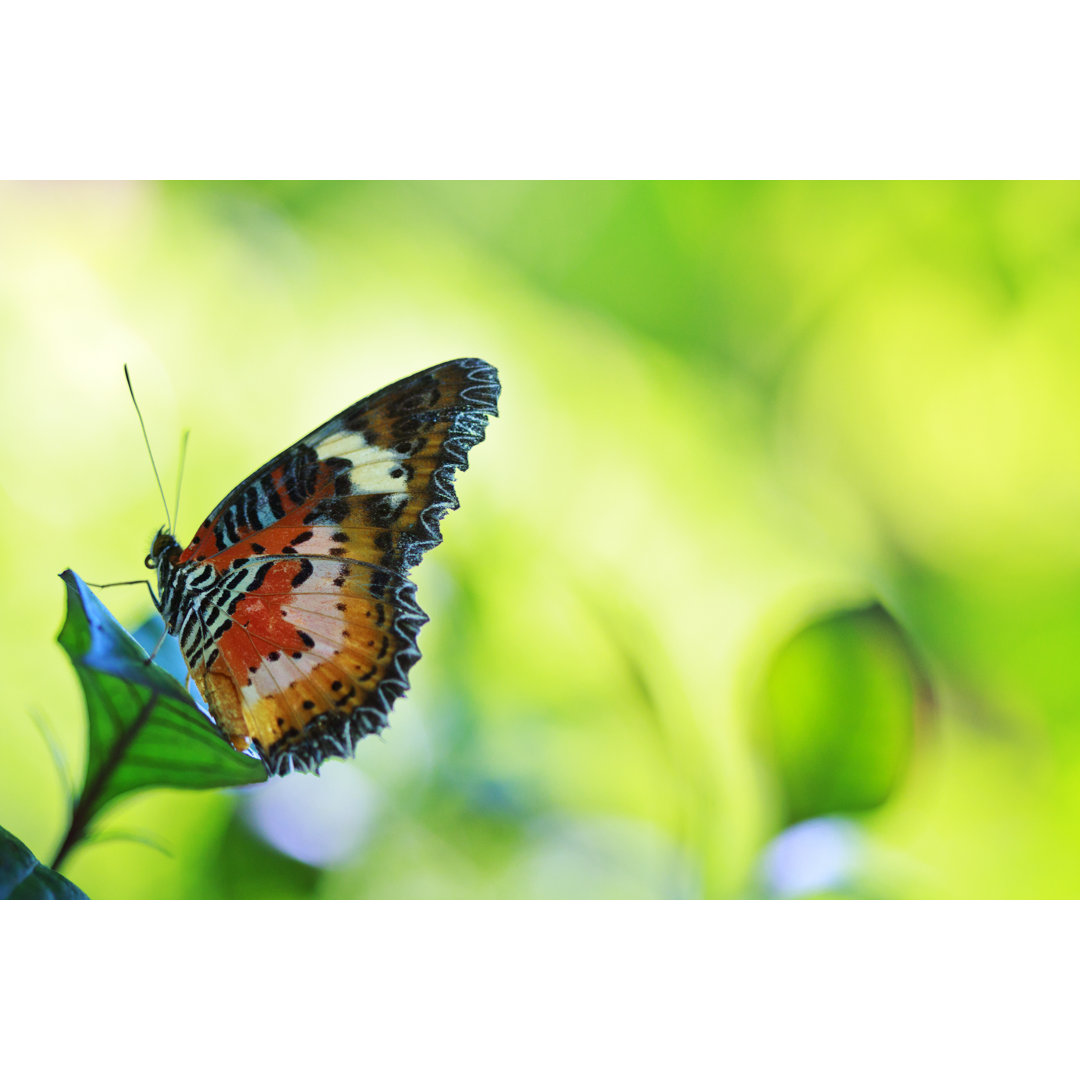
{"x":22,"y":877}
{"x":840,"y":700}
{"x":144,"y":729}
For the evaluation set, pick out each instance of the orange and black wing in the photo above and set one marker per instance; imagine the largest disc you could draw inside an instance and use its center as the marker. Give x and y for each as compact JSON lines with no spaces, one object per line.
{"x":313,"y":620}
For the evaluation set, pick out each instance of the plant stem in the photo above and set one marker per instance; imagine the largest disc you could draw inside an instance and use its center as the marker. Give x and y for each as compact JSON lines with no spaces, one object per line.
{"x":84,"y":809}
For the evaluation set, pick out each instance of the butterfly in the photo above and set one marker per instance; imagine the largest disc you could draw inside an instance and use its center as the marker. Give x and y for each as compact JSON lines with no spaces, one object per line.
{"x":292,"y":603}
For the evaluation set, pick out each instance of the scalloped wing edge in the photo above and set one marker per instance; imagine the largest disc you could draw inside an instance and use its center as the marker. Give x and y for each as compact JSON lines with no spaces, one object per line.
{"x":335,"y":734}
{"x":467,"y":430}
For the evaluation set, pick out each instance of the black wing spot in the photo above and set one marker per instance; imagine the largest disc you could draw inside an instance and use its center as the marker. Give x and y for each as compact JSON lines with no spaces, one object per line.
{"x":300,"y":474}
{"x":272,"y":498}
{"x":406,"y":426}
{"x":305,"y":571}
{"x":379,"y":581}
{"x":260,"y":577}
{"x":250,"y":509}
{"x":385,"y":509}
{"x":335,"y":510}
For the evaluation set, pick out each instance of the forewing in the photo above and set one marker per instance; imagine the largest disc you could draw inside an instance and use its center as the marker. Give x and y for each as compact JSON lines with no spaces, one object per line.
{"x":370,"y":484}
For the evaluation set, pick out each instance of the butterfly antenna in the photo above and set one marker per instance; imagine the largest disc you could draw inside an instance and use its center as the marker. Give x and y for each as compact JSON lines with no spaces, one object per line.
{"x":146,"y":439}
{"x":180,"y":474}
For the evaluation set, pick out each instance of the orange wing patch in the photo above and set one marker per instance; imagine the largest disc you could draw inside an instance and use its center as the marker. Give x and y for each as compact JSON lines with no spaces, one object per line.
{"x":317,"y":666}
{"x":292,"y":603}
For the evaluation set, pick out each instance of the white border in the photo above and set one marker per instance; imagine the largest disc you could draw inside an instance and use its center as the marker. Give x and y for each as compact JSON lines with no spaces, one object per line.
{"x":563,"y":90}
{"x":739,"y":989}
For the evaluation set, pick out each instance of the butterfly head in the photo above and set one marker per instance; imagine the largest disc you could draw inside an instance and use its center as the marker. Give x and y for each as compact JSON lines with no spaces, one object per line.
{"x":164,"y":548}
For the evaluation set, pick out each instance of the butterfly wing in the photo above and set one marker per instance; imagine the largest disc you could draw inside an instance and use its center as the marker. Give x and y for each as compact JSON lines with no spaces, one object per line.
{"x":295,"y":612}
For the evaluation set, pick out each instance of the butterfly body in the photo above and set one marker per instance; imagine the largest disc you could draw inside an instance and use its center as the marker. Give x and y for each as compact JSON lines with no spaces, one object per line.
{"x":292,"y":603}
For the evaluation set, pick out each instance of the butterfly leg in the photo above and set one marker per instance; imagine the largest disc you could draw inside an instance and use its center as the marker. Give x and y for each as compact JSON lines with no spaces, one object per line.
{"x":138,"y":581}
{"x":161,"y":641}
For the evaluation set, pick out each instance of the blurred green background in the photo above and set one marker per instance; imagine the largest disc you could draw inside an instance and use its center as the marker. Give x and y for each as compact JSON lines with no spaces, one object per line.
{"x":766,"y":581}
